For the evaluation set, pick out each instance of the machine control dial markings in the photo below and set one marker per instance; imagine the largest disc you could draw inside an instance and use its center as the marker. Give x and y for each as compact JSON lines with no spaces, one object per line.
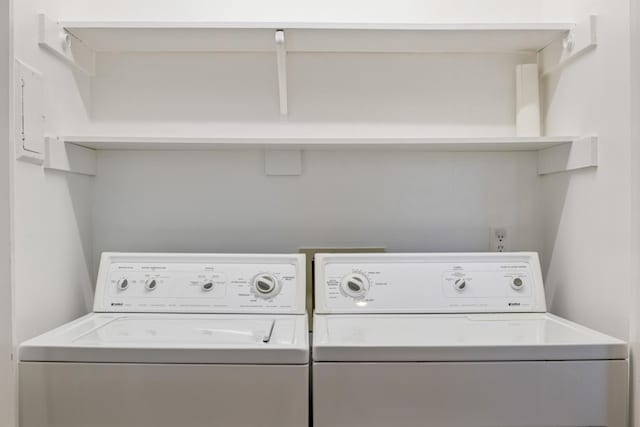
{"x":196,"y":287}
{"x":122,"y":284}
{"x":517,"y":284}
{"x":266,"y":285}
{"x":150,"y":284}
{"x":460,"y":284}
{"x":355,"y":285}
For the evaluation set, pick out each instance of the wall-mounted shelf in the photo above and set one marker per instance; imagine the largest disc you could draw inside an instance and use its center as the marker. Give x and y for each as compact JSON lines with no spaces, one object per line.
{"x":555,"y":154}
{"x":320,"y":142}
{"x":79,"y":42}
{"x":126,"y":36}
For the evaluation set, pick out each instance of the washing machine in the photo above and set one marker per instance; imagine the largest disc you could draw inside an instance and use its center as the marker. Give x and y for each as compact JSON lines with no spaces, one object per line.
{"x":462,"y":340}
{"x":187,"y":340}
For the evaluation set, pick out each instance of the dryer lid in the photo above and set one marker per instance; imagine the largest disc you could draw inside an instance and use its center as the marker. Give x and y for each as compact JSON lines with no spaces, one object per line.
{"x":458,"y":337}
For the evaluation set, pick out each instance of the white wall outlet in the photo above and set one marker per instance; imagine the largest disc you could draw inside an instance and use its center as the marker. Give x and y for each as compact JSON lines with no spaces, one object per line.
{"x":499,"y":239}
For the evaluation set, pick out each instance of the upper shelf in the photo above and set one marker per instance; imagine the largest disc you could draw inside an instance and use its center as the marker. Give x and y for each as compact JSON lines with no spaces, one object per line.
{"x":124,"y":36}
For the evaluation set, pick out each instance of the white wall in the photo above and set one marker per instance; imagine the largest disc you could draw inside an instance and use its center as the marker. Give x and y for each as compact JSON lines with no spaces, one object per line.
{"x":203,"y":94}
{"x":587,"y":220}
{"x":222,"y":201}
{"x":7,"y":372}
{"x":313,"y":10}
{"x":52,"y":211}
{"x":635,"y":205}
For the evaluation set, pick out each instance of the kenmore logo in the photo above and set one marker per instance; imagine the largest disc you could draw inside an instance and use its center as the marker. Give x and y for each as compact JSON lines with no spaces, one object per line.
{"x":514,"y":304}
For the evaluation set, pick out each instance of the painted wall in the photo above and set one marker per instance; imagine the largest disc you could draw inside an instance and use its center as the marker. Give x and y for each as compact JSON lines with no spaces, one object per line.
{"x":7,"y":371}
{"x":52,"y":211}
{"x":222,"y":201}
{"x":314,"y":10}
{"x":587,"y":223}
{"x":635,"y":206}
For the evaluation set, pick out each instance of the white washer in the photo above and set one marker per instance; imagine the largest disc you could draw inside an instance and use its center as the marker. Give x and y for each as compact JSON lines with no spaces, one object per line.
{"x":455,"y":340}
{"x":177,"y":340}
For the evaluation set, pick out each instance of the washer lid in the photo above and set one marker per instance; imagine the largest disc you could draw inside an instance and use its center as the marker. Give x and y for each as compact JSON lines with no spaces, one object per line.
{"x":174,"y":338}
{"x":458,"y":337}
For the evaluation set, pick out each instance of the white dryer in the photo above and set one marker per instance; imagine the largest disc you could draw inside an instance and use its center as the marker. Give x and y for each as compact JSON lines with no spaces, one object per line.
{"x":458,"y":340}
{"x":176,"y":340}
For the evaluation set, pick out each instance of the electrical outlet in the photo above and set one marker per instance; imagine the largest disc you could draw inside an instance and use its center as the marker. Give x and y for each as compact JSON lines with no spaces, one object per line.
{"x":499,"y":239}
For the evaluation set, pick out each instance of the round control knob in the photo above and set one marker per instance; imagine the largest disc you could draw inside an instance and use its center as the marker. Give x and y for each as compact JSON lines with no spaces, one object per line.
{"x":460,"y":284}
{"x":517,"y":283}
{"x":355,"y":285}
{"x":207,"y":286}
{"x":150,"y":284}
{"x":122,"y":284}
{"x":266,"y":285}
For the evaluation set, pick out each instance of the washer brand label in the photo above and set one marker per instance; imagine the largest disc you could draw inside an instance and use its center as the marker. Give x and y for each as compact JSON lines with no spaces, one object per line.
{"x":514,"y":304}
{"x":116,"y":304}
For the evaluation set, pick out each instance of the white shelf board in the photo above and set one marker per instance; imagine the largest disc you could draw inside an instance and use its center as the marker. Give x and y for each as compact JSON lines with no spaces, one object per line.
{"x":349,"y":142}
{"x":130,"y":36}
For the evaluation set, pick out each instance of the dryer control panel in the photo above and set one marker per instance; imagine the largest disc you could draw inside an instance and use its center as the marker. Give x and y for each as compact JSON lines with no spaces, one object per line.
{"x":429,"y":283}
{"x":200,"y":283}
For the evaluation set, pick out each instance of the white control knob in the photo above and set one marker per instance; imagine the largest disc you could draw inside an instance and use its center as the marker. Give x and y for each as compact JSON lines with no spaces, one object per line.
{"x":207,"y":286}
{"x":517,"y":284}
{"x":150,"y":284}
{"x":460,"y":284}
{"x":266,"y":285}
{"x":122,"y":284}
{"x":355,"y":285}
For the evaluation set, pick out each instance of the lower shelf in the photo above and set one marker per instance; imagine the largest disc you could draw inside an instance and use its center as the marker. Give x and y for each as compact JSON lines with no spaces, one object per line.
{"x":555,"y":154}
{"x":319,"y":143}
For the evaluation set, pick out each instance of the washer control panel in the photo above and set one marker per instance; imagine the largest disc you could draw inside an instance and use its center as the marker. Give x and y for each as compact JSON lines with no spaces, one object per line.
{"x":429,"y":283}
{"x":201,"y":283}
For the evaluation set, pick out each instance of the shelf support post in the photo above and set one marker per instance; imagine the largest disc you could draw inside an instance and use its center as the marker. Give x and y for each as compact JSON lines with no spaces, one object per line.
{"x":281,"y":57}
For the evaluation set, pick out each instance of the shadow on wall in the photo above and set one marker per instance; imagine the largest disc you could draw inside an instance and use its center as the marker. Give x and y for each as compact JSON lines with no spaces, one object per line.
{"x":555,"y":188}
{"x":77,"y":186}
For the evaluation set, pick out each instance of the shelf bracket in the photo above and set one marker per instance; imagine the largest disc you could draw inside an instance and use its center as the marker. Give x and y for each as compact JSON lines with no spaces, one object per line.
{"x":68,"y":157}
{"x":281,"y":58}
{"x":578,"y":154}
{"x":54,"y":38}
{"x":576,"y":42}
